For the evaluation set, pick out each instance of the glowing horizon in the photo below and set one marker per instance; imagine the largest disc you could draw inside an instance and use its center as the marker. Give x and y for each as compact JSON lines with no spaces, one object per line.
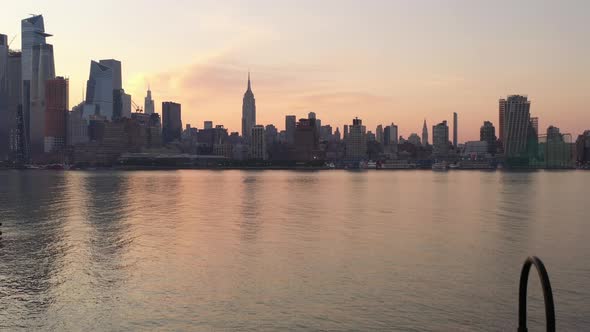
{"x":383,"y":61}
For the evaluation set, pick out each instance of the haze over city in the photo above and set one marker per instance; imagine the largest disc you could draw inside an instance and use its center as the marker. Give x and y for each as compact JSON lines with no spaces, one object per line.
{"x":383,"y":61}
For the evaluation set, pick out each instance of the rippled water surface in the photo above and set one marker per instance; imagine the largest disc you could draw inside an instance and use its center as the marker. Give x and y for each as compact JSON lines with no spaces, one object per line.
{"x":276,"y":251}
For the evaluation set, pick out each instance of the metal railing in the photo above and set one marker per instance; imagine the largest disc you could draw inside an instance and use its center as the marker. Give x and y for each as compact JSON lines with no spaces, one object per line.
{"x":547,"y":294}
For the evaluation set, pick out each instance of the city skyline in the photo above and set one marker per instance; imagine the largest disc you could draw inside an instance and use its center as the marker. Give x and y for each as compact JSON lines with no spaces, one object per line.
{"x":380,"y":84}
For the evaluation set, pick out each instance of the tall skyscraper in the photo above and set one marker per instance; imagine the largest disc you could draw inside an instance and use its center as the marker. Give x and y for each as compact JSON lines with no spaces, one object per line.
{"x":248,"y":111}
{"x":455,"y":129}
{"x":99,"y":89}
{"x":43,"y":70}
{"x":425,"y":134}
{"x":379,"y":134}
{"x":16,"y":139}
{"x":306,"y":140}
{"x":33,"y":33}
{"x":356,"y":143}
{"x":171,"y":122}
{"x":4,"y":119}
{"x":290,"y":124}
{"x":393,"y":135}
{"x":57,"y":99}
{"x":345,"y":133}
{"x":115,"y":65}
{"x":148,"y":106}
{"x":208,"y":124}
{"x":487,"y":133}
{"x":501,"y":113}
{"x":517,"y":119}
{"x":440,"y":139}
{"x":257,"y":143}
{"x":37,"y":66}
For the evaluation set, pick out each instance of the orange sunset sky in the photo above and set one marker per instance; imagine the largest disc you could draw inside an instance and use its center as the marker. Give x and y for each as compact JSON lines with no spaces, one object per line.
{"x":383,"y":61}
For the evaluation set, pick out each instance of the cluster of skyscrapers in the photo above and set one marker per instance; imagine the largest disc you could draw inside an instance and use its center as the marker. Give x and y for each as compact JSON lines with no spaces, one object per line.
{"x":38,"y":126}
{"x":36,"y":122}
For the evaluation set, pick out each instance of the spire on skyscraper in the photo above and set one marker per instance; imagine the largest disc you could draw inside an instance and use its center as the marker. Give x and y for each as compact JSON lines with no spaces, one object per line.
{"x":248,"y":111}
{"x":249,"y":84}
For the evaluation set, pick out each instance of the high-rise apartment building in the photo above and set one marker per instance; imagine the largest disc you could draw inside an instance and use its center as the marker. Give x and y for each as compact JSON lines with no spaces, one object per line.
{"x":393,"y":135}
{"x":306,"y":140}
{"x":356,"y":142}
{"x":535,"y":124}
{"x":271,"y":134}
{"x":171,"y":122}
{"x":440,"y":139}
{"x":14,"y":98}
{"x":516,"y":125}
{"x":248,"y":111}
{"x":501,"y":123}
{"x":379,"y":134}
{"x":4,"y":118}
{"x":583,"y":148}
{"x":56,"y":115}
{"x":487,"y":133}
{"x":290,"y":125}
{"x":257,"y":143}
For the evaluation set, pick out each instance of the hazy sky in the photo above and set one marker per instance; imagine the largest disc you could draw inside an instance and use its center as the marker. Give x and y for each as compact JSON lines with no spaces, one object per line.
{"x":383,"y":61}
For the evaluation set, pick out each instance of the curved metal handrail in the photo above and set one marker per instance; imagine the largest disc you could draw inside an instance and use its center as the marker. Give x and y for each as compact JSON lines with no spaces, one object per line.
{"x":547,"y":294}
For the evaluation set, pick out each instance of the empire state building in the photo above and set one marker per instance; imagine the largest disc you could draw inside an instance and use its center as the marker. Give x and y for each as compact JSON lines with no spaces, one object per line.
{"x":248,"y":112}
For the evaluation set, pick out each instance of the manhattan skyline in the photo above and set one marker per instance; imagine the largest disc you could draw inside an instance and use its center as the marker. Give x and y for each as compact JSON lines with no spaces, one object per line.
{"x":323,"y":58}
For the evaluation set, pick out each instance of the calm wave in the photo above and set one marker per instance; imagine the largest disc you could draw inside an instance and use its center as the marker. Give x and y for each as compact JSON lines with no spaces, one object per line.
{"x":274,"y":250}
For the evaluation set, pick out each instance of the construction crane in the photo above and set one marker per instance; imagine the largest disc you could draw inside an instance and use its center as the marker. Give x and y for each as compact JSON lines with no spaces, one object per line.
{"x":137,"y":108}
{"x":11,"y":40}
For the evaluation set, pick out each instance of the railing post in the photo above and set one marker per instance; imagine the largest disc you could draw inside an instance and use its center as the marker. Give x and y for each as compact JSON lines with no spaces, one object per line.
{"x":547,"y":294}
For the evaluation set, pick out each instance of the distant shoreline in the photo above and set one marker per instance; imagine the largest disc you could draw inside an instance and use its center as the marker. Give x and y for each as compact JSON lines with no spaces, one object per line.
{"x":277,"y":168}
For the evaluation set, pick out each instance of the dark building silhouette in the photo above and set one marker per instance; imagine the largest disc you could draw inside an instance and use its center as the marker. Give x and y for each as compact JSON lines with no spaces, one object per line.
{"x":56,"y":114}
{"x":583,"y":148}
{"x":306,"y":140}
{"x":440,"y":139}
{"x":151,"y":128}
{"x":515,"y":125}
{"x":248,"y":111}
{"x":455,"y":130}
{"x":356,"y":141}
{"x":290,"y":125}
{"x":487,"y":133}
{"x":425,"y":134}
{"x":4,"y":109}
{"x":212,"y":141}
{"x":501,"y":113}
{"x":271,"y":135}
{"x":171,"y":122}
